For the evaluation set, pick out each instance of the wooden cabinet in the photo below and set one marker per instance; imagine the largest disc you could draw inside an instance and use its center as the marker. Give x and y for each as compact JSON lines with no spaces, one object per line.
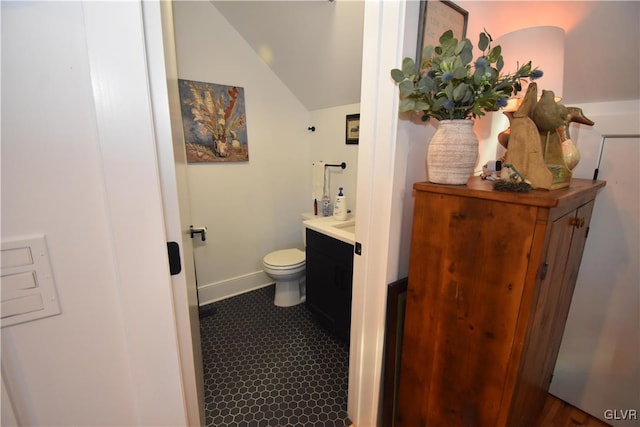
{"x":491,"y":278}
{"x":329,"y":281}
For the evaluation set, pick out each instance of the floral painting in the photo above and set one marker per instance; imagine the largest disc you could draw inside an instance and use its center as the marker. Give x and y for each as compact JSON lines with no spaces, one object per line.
{"x":214,"y":121}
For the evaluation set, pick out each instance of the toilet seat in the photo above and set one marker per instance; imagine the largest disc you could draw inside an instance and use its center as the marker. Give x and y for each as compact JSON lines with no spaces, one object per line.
{"x":285,"y":259}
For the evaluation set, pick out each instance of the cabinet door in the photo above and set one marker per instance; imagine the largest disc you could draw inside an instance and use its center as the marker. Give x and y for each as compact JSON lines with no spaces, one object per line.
{"x":551,"y":306}
{"x":344,"y":280}
{"x":321,"y":290}
{"x":469,"y":259}
{"x":329,"y":281}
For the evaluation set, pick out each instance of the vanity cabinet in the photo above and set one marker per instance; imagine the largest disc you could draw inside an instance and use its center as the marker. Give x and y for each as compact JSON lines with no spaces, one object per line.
{"x":329,"y":281}
{"x":491,"y":278}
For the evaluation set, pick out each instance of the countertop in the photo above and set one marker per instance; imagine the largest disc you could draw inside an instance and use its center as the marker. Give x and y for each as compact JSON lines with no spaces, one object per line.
{"x":329,"y":226}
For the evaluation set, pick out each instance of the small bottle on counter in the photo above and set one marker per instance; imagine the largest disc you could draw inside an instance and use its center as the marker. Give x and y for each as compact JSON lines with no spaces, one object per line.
{"x":340,"y":207}
{"x":326,"y":205}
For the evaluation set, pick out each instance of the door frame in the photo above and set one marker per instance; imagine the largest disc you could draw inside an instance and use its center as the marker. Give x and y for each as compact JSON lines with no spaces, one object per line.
{"x":126,"y":137}
{"x":378,"y":265}
{"x":172,"y":164}
{"x":376,"y":207}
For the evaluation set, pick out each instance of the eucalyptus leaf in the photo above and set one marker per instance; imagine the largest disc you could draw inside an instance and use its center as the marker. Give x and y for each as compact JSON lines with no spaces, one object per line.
{"x":438,"y":104}
{"x":466,"y":55}
{"x":446,"y":36}
{"x":406,"y":88}
{"x":427,"y":52}
{"x":495,"y":54}
{"x":407,"y":105}
{"x":483,"y":43}
{"x":449,"y":91}
{"x":409,"y":67}
{"x":468,"y":97}
{"x":397,"y":75}
{"x":422,"y":106}
{"x":460,"y":72}
{"x":460,"y":91}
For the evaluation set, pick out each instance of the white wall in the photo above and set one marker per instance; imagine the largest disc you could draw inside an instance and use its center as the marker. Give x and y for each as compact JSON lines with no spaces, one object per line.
{"x":66,"y":157}
{"x":327,"y":143}
{"x":598,"y":366}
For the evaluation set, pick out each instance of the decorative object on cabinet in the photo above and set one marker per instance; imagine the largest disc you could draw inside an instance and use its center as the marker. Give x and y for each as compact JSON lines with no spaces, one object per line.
{"x":214,"y":122}
{"x":446,"y":86}
{"x":491,"y":278}
{"x":449,"y":162}
{"x":538,"y":146}
{"x":352,"y":129}
{"x":569,"y":150}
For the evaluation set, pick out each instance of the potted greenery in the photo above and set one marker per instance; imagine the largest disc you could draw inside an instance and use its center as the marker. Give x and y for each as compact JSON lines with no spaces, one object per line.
{"x":452,"y":88}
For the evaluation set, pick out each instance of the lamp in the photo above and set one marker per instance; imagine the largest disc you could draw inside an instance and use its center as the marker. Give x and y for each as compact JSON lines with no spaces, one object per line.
{"x":544,"y":47}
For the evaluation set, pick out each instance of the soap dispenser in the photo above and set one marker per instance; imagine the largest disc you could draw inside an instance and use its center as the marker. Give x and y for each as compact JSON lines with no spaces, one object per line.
{"x":340,"y":207}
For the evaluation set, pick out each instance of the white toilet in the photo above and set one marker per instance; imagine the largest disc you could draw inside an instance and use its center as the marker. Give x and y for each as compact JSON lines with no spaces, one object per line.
{"x":287,"y":268}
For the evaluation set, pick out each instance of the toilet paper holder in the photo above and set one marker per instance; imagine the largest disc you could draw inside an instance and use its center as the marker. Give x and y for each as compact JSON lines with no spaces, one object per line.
{"x":202,"y":231}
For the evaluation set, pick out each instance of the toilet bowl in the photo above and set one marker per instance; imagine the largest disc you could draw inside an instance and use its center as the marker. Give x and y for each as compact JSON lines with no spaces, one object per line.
{"x":287,"y":268}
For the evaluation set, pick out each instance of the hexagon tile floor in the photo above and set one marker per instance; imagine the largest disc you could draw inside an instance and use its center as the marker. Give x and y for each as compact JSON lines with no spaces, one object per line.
{"x":271,"y":366}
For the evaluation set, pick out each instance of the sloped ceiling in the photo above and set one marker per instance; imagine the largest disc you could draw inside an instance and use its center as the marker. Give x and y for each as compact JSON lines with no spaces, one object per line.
{"x":315,"y":46}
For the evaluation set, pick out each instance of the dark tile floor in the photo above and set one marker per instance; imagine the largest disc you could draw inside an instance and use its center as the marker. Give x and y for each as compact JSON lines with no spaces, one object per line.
{"x":271,"y":366}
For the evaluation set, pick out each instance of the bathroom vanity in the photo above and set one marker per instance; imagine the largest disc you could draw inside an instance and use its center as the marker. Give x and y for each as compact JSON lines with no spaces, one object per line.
{"x":329,"y":259}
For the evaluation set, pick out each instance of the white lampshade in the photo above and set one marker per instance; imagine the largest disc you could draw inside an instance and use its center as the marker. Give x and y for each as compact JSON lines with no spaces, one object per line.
{"x":544,"y":47}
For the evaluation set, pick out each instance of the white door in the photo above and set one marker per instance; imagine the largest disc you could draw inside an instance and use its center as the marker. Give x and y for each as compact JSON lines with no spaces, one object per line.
{"x":163,"y":80}
{"x":598,"y":368}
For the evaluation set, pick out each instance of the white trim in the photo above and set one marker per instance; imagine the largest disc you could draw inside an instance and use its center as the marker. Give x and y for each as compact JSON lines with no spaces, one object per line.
{"x":382,"y":51}
{"x":134,"y":208}
{"x":163,"y":79}
{"x":228,"y":288}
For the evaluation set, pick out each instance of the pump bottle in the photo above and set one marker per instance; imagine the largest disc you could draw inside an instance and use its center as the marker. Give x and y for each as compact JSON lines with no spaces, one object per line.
{"x":340,"y":207}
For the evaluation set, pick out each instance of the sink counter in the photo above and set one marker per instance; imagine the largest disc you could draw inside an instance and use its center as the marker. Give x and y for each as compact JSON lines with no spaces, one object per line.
{"x":329,"y":226}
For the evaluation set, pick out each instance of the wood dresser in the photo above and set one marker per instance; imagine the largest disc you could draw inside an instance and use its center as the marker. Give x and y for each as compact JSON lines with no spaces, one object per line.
{"x":491,"y":278}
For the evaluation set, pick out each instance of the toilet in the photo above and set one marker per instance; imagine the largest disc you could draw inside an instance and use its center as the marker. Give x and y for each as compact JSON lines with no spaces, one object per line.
{"x":287,"y":268}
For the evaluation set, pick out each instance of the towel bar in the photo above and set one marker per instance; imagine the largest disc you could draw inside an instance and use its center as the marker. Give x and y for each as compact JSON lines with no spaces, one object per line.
{"x":342,"y":165}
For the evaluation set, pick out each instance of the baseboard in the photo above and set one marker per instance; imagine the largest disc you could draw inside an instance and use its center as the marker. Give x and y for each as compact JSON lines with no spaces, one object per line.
{"x":217,"y":291}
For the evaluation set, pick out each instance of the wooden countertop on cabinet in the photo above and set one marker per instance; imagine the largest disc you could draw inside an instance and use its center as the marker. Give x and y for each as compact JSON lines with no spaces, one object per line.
{"x":491,"y":278}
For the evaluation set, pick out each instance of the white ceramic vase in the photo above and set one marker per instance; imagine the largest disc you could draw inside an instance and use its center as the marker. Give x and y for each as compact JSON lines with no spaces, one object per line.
{"x":452,"y":153}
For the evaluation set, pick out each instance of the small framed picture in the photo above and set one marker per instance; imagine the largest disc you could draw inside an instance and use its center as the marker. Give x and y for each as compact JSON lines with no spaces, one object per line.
{"x":436,"y":17}
{"x":352,"y":133}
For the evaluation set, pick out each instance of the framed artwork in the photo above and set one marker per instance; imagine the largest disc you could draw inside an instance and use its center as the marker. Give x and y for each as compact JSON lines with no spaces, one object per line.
{"x":214,"y":122}
{"x":352,"y":132}
{"x":436,"y":17}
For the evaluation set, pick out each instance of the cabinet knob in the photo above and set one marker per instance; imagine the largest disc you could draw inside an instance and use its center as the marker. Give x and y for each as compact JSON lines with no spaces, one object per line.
{"x":577,"y":222}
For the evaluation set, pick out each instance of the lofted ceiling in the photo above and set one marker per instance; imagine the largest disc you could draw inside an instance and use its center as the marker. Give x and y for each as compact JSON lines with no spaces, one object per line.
{"x":315,"y":46}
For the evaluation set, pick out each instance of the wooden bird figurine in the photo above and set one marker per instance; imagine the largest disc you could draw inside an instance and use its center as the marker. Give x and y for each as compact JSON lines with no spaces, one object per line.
{"x":569,"y":150}
{"x":548,"y":114}
{"x":550,"y":117}
{"x":525,"y":151}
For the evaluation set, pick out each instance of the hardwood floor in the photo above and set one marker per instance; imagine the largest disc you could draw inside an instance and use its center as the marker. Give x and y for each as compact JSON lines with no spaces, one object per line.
{"x":558,"y":413}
